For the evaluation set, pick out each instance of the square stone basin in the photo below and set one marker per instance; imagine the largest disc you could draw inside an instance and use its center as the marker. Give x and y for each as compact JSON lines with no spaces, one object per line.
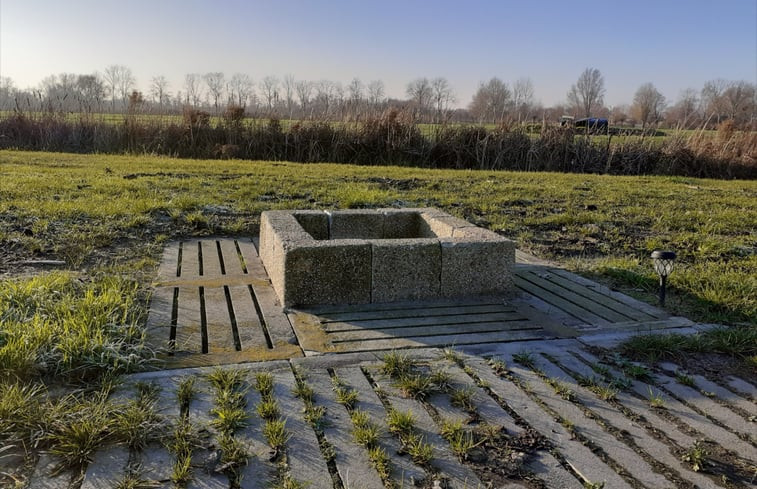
{"x":381,"y":255}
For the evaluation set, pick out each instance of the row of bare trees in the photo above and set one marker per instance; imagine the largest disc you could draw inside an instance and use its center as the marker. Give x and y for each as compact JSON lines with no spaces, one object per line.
{"x":429,"y":100}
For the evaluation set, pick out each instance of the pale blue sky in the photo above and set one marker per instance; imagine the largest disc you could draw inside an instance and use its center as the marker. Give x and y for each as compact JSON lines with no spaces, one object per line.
{"x":673,"y":44}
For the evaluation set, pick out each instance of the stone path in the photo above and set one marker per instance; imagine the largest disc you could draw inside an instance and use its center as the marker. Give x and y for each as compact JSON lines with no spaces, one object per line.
{"x":564,"y":418}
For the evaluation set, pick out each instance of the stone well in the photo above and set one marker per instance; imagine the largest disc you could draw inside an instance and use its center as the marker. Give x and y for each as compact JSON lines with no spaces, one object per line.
{"x":381,"y":255}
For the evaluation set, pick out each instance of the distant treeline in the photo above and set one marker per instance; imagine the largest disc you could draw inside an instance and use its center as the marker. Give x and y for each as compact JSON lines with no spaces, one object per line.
{"x":392,"y":139}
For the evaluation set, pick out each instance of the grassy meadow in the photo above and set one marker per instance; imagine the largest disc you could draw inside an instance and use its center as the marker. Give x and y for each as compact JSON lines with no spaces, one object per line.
{"x":102,"y":221}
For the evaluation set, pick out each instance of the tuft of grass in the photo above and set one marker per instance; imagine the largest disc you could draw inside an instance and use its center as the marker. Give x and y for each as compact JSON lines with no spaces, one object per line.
{"x":268,"y":409}
{"x":561,"y":389}
{"x":655,"y":399}
{"x":417,"y":386}
{"x":275,"y":432}
{"x":289,"y":482}
{"x":264,"y":383}
{"x":696,"y":456}
{"x":449,"y":354}
{"x":461,"y":441}
{"x":181,"y":470}
{"x":137,"y":423}
{"x":737,"y":341}
{"x":686,"y":380}
{"x":419,"y":450}
{"x":463,"y":398}
{"x":380,"y":462}
{"x":400,"y":423}
{"x":345,"y":396}
{"x":499,"y":366}
{"x":227,"y":379}
{"x":525,"y":358}
{"x":397,"y":364}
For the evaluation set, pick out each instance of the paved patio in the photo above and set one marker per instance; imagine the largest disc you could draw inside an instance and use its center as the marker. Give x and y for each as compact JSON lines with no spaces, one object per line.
{"x":530,"y":367}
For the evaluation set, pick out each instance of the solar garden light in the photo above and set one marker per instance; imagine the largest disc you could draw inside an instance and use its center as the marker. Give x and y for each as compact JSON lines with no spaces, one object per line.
{"x":663,"y":265}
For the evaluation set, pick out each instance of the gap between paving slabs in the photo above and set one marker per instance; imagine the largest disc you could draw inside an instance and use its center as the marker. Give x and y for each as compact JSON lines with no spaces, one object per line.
{"x":584,"y":438}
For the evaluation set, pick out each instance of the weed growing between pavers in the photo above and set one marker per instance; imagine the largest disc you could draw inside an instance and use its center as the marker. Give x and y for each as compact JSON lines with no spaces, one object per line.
{"x":495,"y":456}
{"x":230,"y":415}
{"x":275,"y":431}
{"x":365,"y":432}
{"x":316,"y":417}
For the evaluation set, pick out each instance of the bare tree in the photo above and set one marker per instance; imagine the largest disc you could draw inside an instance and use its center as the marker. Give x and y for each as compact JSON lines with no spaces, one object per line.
{"x":120,"y":81}
{"x":443,"y":97}
{"x":588,"y":92}
{"x":240,"y":89}
{"x":91,"y":91}
{"x":685,"y":112}
{"x":324,"y":97}
{"x":490,"y":101}
{"x":193,"y":88}
{"x":159,"y":89}
{"x":648,"y":104}
{"x":289,"y":90}
{"x":7,"y":92}
{"x":523,"y":97}
{"x":216,"y":84}
{"x":270,"y":87}
{"x":420,"y":93}
{"x":619,"y":114}
{"x":376,"y":92}
{"x":740,"y":101}
{"x":713,"y":102}
{"x":304,"y":91}
{"x":355,"y":96}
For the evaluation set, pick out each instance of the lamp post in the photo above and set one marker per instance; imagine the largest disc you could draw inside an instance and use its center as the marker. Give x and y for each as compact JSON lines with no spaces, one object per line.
{"x":663,"y":265}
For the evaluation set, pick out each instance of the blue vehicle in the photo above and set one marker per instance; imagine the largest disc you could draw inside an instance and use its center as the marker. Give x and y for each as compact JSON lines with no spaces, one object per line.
{"x":593,"y":124}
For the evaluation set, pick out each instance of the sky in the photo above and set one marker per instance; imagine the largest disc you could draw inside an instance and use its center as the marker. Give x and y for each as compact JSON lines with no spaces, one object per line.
{"x":675,"y":44}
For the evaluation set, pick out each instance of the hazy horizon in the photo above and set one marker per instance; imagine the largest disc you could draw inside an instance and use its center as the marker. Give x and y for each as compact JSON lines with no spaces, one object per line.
{"x":674,"y":45}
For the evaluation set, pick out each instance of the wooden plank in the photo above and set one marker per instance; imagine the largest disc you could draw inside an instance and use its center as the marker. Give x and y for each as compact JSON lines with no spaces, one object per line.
{"x":628,"y":312}
{"x":558,"y":301}
{"x":211,"y":263}
{"x":158,"y":326}
{"x":444,"y":340}
{"x":542,"y":280}
{"x":423,"y":321}
{"x":248,"y":323}
{"x":190,"y":262}
{"x":188,"y":325}
{"x":275,"y":319}
{"x":169,"y":263}
{"x":217,"y":320}
{"x":630,"y":301}
{"x":431,"y":330}
{"x":231,"y":260}
{"x":385,"y":311}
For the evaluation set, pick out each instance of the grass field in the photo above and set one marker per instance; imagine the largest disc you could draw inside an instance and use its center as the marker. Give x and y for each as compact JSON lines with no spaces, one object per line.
{"x":105,"y":219}
{"x":87,"y":209}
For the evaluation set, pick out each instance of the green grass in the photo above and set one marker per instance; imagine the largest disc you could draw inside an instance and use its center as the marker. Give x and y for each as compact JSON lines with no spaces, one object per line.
{"x":107,"y":218}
